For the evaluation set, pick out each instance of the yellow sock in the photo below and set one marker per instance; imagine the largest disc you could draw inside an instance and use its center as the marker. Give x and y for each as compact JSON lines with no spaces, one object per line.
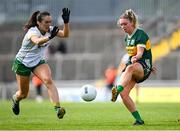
{"x":56,"y":104}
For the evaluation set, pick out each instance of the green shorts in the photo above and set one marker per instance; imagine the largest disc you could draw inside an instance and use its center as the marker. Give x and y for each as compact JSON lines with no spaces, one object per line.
{"x":23,"y":70}
{"x":147,"y":70}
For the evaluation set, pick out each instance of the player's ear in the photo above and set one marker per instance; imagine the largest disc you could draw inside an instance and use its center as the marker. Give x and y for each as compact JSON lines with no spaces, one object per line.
{"x":38,"y":23}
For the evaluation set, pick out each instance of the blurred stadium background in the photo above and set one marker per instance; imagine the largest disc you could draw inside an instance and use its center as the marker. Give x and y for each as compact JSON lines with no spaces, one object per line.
{"x":95,"y":42}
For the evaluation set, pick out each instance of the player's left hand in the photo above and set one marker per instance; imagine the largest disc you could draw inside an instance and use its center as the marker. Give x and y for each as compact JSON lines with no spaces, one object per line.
{"x":65,"y":15}
{"x":134,"y":59}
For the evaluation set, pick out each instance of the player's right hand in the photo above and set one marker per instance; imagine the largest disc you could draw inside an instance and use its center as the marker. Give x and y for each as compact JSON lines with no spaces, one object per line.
{"x":54,"y":32}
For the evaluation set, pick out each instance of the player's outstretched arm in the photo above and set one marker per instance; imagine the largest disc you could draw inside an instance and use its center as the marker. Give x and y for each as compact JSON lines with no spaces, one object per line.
{"x":41,"y":40}
{"x":65,"y":17}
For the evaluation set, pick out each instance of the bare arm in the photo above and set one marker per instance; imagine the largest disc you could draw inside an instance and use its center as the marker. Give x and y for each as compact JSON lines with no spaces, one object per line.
{"x":65,"y":32}
{"x":39,"y":40}
{"x":43,"y":39}
{"x":65,"y":16}
{"x":140,"y":51}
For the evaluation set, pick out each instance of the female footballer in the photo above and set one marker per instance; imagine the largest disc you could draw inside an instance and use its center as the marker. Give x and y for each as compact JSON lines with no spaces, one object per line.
{"x":30,"y":57}
{"x":139,"y":65}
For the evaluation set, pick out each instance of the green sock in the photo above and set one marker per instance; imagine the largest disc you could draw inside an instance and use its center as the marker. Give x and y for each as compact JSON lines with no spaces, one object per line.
{"x":136,"y":115}
{"x":120,"y":88}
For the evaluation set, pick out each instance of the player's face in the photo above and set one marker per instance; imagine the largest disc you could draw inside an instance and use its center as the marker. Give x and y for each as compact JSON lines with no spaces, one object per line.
{"x":45,"y":23}
{"x":126,"y":25}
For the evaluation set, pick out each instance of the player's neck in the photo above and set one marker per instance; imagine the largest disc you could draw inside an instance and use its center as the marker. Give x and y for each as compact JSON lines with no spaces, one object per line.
{"x":131,"y":33}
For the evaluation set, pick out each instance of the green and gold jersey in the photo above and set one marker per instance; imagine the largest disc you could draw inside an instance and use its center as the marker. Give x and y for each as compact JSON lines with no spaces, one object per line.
{"x":139,"y":38}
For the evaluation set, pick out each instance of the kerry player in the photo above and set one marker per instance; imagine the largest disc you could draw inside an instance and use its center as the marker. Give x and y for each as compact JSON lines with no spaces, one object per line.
{"x":139,"y":65}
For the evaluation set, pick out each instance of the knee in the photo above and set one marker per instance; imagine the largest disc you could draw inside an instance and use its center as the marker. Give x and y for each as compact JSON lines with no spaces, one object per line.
{"x":47,"y":80}
{"x":130,"y":69}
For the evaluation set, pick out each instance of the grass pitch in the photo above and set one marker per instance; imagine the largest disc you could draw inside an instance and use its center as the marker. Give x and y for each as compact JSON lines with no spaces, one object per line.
{"x":89,"y":116}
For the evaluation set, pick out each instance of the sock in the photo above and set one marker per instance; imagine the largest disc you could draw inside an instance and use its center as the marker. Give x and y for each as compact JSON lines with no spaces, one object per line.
{"x":56,"y":106}
{"x":120,"y":88}
{"x":136,"y":115}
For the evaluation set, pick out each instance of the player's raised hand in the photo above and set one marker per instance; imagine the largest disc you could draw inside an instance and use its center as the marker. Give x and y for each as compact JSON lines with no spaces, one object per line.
{"x":54,"y":32}
{"x":65,"y":15}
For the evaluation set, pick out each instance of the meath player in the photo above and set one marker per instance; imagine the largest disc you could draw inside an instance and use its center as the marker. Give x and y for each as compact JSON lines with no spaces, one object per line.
{"x":30,"y":57}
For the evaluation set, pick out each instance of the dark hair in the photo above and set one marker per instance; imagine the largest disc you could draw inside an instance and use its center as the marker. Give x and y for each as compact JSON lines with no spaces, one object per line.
{"x":36,"y":16}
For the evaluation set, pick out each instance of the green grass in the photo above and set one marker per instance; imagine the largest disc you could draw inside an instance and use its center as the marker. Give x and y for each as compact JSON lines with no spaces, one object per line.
{"x":89,"y":116}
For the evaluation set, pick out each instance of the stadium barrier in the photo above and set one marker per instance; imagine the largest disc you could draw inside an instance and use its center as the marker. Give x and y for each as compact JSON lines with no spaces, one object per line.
{"x":149,"y":92}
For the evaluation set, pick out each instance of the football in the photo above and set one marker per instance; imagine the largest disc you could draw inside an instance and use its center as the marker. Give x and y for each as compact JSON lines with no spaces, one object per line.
{"x":88,"y":92}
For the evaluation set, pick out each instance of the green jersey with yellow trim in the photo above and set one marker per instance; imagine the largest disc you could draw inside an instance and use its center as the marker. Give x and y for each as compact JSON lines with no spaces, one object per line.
{"x":139,"y":38}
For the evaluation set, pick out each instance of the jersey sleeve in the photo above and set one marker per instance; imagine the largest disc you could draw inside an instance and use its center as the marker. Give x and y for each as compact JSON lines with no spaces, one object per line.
{"x":142,"y":39}
{"x":32,"y":32}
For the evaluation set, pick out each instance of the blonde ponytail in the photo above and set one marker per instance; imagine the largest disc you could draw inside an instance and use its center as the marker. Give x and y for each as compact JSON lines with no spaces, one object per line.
{"x":131,"y":16}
